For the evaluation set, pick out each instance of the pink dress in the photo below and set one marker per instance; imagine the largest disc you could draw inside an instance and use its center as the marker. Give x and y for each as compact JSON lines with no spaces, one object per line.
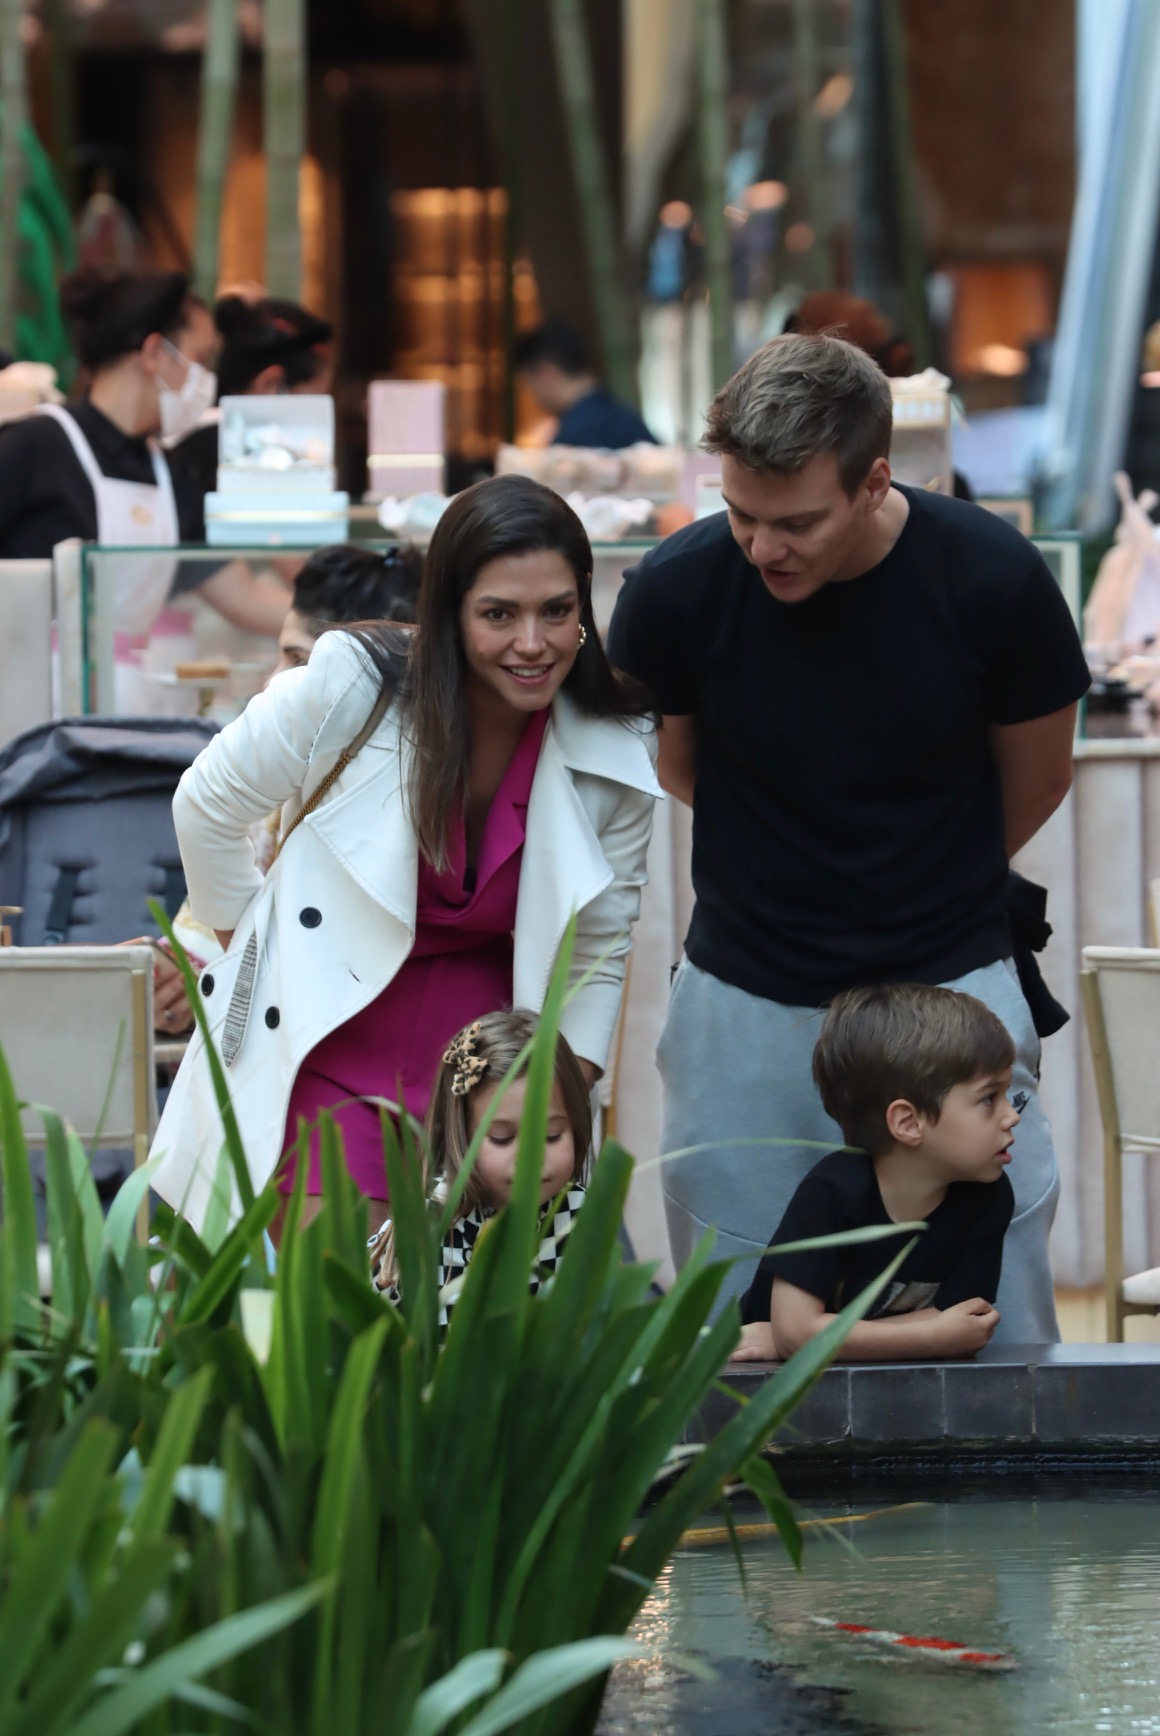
{"x":459,"y":968}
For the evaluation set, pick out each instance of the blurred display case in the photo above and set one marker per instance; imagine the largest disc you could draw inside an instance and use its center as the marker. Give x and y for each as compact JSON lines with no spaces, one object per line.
{"x":276,"y":476}
{"x":920,"y":451}
{"x":191,"y":663}
{"x":194,"y":663}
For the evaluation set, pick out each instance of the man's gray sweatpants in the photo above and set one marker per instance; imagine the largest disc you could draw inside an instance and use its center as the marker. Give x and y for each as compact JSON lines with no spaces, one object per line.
{"x":736,"y":1067}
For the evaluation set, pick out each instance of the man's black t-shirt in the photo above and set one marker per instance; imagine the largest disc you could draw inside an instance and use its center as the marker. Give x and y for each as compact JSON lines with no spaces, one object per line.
{"x":957,"y":1257}
{"x":847,"y":819}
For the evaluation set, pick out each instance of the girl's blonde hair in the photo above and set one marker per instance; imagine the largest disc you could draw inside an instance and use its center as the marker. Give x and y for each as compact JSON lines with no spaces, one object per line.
{"x":491,"y":1047}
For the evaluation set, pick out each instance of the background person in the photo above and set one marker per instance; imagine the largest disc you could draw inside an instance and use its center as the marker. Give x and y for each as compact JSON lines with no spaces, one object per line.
{"x":868,"y":697}
{"x":95,"y":469}
{"x":555,"y":365}
{"x":917,"y":1079}
{"x":507,"y":783}
{"x":267,"y":346}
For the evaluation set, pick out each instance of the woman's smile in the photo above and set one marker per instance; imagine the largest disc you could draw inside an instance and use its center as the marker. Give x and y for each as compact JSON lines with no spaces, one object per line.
{"x":519,"y":627}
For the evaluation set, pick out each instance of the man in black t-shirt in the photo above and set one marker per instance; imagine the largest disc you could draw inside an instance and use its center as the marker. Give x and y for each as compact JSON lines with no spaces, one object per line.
{"x":868,"y":696}
{"x":917,"y":1079}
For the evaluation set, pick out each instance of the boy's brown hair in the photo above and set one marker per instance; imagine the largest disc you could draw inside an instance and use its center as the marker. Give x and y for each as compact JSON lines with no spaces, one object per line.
{"x":906,"y":1040}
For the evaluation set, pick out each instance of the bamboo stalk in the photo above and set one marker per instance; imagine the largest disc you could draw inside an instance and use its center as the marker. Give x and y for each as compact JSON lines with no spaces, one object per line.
{"x":509,"y":147}
{"x":809,"y":133}
{"x":284,"y":105}
{"x":219,"y":87}
{"x":902,"y":154}
{"x":574,"y":71}
{"x":58,"y":28}
{"x":13,"y":116}
{"x":712,"y":144}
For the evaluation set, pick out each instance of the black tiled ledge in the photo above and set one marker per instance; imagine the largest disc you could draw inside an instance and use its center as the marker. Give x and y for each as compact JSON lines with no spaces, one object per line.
{"x":1062,"y":1400}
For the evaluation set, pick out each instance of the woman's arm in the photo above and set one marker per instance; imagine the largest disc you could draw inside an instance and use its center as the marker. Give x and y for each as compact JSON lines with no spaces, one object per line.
{"x":255,"y":765}
{"x":603,"y":933}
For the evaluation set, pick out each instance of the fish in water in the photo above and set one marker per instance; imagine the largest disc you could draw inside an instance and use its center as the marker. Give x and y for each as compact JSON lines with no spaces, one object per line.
{"x":926,"y":1649}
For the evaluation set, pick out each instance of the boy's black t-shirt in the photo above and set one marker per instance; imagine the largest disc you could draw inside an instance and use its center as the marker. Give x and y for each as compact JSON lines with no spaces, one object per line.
{"x":958,"y":1256}
{"x":847,"y":821}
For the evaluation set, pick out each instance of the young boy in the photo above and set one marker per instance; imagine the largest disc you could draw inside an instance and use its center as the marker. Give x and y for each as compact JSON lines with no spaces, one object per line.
{"x":917,"y":1079}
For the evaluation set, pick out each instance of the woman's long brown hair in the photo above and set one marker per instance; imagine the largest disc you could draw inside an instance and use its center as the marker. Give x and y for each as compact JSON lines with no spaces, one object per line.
{"x":506,"y":515}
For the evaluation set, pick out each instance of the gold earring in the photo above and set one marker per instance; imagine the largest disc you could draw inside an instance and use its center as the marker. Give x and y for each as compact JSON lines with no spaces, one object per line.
{"x":583,"y":635}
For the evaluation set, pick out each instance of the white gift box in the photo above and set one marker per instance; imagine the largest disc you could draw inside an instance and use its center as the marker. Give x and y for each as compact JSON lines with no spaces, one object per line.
{"x":406,"y":438}
{"x":276,"y":446}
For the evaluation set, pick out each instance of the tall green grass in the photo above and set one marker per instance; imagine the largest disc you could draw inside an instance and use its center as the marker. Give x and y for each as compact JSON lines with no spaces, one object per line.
{"x":231,"y":1500}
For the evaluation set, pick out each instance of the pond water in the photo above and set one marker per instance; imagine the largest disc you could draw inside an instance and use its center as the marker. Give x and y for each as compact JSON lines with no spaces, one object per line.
{"x":1068,"y":1585}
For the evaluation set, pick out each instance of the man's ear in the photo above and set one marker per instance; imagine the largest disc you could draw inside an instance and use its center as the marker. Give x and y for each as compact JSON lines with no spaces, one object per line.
{"x":904,"y":1123}
{"x":877,"y":483}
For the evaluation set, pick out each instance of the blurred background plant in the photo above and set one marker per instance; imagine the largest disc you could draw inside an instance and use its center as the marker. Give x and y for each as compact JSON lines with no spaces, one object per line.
{"x":230,"y":1496}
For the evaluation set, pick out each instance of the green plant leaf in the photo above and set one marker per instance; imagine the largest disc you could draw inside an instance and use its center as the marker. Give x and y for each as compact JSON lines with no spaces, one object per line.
{"x":41,"y":1571}
{"x":63,"y":1683}
{"x":545,"y":1678}
{"x":20,"y":1300}
{"x":121,"y":1223}
{"x":120,"y":1712}
{"x":174,"y":1443}
{"x":441,"y":1703}
{"x":221,"y":1088}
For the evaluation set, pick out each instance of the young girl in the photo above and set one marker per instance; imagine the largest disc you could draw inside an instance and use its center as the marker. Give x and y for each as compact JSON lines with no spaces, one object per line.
{"x":471,"y":1073}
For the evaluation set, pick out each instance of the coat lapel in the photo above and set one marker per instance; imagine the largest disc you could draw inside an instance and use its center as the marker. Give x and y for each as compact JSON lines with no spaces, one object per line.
{"x":366,"y":826}
{"x":564,"y":866}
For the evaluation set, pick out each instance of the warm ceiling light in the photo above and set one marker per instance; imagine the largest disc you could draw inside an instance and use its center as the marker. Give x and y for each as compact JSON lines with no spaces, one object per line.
{"x":834,"y":95}
{"x":799,"y":237}
{"x":676,"y":214}
{"x":1001,"y":359}
{"x":766,"y":196}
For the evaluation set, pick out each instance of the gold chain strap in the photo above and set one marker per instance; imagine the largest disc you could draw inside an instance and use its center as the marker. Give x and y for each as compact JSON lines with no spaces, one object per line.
{"x":336,"y":770}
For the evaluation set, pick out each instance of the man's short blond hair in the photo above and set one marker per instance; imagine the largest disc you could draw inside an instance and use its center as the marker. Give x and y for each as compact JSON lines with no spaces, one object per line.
{"x":800,"y":395}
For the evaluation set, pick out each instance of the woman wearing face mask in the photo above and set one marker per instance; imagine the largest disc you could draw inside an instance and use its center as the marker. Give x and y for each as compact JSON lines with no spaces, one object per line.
{"x":95,"y":468}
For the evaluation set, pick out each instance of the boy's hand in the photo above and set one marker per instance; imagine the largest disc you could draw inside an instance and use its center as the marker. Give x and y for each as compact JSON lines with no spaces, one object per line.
{"x":963,"y":1329}
{"x":756,"y":1344}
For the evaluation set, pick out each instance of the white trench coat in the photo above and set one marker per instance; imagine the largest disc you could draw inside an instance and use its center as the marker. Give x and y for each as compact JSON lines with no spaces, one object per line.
{"x":333,"y":922}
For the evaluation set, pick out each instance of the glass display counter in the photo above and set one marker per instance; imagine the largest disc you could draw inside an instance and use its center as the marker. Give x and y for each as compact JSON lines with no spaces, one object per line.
{"x":152,"y":644}
{"x":188,"y":660}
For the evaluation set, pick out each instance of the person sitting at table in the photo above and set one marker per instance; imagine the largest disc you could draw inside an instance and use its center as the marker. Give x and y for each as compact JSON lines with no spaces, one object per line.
{"x":555,"y":365}
{"x":95,"y":469}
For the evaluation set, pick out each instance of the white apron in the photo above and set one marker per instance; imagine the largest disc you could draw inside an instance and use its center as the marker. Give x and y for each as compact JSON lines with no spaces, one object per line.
{"x":131,"y":515}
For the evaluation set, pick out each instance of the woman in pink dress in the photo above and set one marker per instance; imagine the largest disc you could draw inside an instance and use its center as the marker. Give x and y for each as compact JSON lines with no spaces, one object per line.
{"x":507,"y":785}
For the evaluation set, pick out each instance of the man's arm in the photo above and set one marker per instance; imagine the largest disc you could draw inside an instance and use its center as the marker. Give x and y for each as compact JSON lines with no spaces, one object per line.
{"x":677,"y":755}
{"x":1035,"y":768}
